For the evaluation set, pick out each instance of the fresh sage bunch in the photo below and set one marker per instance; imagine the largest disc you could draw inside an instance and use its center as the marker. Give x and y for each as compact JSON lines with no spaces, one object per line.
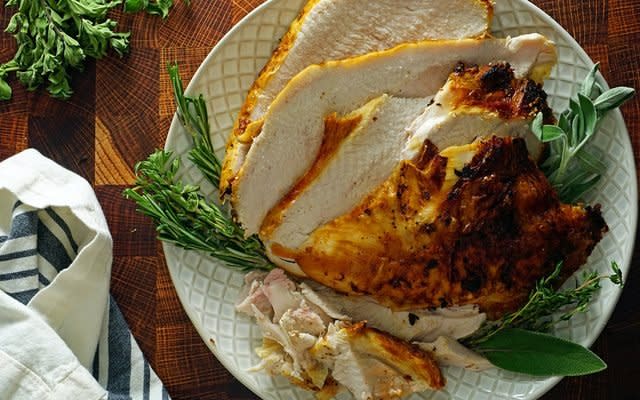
{"x":55,"y":37}
{"x":571,"y":169}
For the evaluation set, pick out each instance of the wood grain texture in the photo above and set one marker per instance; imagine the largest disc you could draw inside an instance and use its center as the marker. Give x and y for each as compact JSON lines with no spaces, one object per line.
{"x":122,"y":110}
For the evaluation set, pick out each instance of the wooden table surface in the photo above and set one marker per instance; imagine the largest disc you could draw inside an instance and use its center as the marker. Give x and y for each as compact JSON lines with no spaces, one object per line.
{"x":121,"y":112}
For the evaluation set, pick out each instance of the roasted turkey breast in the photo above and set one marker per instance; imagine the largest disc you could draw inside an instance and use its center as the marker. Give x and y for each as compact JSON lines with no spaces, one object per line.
{"x":475,"y":224}
{"x":336,"y":29}
{"x":294,"y":125}
{"x":360,"y":150}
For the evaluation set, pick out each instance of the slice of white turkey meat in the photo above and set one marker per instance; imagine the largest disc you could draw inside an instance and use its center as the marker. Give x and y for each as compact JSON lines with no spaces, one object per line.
{"x":336,"y":29}
{"x":507,"y":109}
{"x":416,"y":325}
{"x":374,"y":365}
{"x":449,"y":352}
{"x":294,"y":126}
{"x":360,"y":159}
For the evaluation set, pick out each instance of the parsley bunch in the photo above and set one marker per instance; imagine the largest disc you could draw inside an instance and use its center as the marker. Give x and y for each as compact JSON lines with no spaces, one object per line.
{"x":55,"y":37}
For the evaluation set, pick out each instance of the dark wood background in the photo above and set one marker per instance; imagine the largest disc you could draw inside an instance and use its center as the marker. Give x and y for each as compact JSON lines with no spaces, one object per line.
{"x":121,"y":112}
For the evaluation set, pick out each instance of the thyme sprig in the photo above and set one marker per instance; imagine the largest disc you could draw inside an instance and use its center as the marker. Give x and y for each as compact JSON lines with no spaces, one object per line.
{"x":570,"y":168}
{"x":192,"y":114}
{"x":544,"y":301}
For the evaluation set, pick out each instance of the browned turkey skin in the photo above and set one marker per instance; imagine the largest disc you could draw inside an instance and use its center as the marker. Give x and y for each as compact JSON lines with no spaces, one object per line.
{"x":494,"y":88}
{"x":443,"y":231}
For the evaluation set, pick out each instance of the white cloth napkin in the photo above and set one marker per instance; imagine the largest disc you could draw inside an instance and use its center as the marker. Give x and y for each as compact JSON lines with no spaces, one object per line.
{"x":61,"y":335}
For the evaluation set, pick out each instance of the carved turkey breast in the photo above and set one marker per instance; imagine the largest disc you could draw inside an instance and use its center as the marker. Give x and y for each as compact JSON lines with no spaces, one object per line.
{"x":294,"y":125}
{"x":336,"y":29}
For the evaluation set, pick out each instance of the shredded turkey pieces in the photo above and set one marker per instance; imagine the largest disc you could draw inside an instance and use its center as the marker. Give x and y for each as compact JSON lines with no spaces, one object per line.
{"x":389,"y":168}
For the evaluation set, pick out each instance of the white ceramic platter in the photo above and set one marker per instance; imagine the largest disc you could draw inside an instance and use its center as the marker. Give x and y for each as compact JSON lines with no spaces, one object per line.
{"x":208,"y":290}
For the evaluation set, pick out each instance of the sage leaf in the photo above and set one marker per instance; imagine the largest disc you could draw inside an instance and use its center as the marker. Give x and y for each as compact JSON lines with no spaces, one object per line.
{"x":536,"y":125}
{"x":539,"y":354}
{"x":5,"y":90}
{"x":551,"y":133}
{"x":613,"y":98}
{"x":589,"y":83}
{"x":589,"y":115}
{"x":590,"y":162}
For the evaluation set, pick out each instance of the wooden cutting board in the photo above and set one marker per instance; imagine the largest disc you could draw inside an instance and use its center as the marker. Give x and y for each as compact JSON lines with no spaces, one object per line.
{"x":121,"y":112}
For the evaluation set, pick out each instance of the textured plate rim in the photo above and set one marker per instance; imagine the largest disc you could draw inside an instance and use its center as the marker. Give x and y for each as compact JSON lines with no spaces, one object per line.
{"x":174,"y":129}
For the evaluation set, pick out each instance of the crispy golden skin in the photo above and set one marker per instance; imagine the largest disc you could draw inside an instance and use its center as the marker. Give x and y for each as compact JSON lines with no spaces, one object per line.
{"x":494,"y":88}
{"x":475,"y":224}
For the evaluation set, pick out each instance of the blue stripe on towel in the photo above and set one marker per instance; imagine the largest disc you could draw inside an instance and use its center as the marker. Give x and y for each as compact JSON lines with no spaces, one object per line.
{"x":51,"y":249}
{"x":65,"y":228}
{"x":24,"y":224}
{"x":119,"y":349}
{"x":43,"y":280}
{"x":25,"y":296}
{"x":146,"y":381}
{"x":116,"y":363}
{"x":18,"y":275}
{"x":18,"y":254}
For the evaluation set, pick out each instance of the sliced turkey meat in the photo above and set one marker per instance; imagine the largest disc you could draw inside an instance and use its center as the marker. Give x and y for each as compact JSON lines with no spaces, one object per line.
{"x":374,"y":365}
{"x":294,"y":125}
{"x":316,"y":345}
{"x":358,"y":152}
{"x":336,"y":29}
{"x":413,"y":325}
{"x":473,"y":224}
{"x":449,"y":352}
{"x":479,"y":101}
{"x":353,"y":161}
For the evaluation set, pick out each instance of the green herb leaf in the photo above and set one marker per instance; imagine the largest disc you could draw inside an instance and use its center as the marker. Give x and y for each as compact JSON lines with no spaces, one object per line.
{"x":539,"y":354}
{"x":613,"y":98}
{"x":5,"y":90}
{"x":132,"y":6}
{"x":160,"y":7}
{"x":571,"y":170}
{"x":589,"y":116}
{"x":185,"y":218}
{"x":545,"y":301}
{"x":551,"y":133}
{"x":616,"y":278}
{"x":181,"y":213}
{"x":589,"y":83}
{"x":192,"y":113}
{"x":56,"y":37}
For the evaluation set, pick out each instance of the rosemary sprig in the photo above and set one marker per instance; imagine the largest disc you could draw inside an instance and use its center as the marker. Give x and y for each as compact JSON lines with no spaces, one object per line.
{"x":544,"y":301}
{"x":181,"y":213}
{"x":570,"y":168}
{"x":192,"y":113}
{"x":184,"y":217}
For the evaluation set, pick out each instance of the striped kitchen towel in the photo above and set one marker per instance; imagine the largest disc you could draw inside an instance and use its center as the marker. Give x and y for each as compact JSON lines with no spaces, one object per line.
{"x":61,"y":334}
